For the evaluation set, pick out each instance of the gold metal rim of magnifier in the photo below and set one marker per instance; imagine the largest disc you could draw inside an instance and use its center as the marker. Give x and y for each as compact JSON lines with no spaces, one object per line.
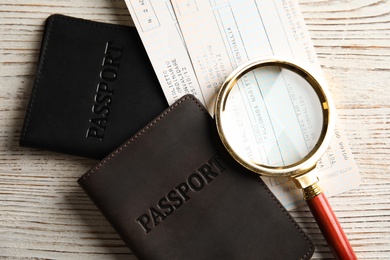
{"x":307,"y":163}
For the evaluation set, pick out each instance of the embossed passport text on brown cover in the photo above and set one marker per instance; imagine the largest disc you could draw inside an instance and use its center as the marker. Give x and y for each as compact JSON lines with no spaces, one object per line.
{"x":94,"y":88}
{"x":172,"y":192}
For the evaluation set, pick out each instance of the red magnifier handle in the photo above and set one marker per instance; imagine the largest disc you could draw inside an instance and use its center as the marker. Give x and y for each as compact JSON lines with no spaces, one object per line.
{"x":330,"y":227}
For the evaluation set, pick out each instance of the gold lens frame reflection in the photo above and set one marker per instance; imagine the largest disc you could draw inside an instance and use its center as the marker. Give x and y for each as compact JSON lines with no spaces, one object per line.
{"x":308,"y":162}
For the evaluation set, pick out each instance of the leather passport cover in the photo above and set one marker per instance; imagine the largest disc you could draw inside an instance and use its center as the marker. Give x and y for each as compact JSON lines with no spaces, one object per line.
{"x":94,"y":88}
{"x":172,"y":192}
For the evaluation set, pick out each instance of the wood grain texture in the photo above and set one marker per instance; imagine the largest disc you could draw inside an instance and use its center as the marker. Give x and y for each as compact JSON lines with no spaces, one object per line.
{"x":45,"y":214}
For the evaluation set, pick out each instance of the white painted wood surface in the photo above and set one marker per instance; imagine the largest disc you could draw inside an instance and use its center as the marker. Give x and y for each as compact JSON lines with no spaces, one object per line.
{"x":45,"y":214}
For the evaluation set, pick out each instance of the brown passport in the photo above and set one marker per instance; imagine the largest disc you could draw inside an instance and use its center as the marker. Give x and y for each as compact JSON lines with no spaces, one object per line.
{"x":172,"y":192}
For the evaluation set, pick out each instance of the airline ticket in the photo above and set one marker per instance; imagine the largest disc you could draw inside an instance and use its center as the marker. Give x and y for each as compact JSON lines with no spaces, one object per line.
{"x":195,"y":44}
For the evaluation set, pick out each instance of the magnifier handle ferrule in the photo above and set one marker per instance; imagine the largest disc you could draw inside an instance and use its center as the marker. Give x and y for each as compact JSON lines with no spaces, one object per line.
{"x":330,"y":227}
{"x":311,"y":191}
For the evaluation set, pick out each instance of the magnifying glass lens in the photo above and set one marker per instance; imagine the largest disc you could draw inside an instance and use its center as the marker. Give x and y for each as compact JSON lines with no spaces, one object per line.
{"x":272,"y":117}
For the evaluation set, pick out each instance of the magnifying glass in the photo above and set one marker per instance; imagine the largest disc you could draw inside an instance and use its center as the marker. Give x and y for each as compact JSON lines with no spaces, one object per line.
{"x":275,"y":119}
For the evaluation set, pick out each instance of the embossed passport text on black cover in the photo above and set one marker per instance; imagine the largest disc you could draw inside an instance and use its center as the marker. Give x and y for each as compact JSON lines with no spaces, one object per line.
{"x":94,"y":88}
{"x":172,"y":192}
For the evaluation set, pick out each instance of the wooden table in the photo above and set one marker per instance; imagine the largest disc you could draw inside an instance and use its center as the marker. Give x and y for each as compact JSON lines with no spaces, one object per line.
{"x":45,"y":214}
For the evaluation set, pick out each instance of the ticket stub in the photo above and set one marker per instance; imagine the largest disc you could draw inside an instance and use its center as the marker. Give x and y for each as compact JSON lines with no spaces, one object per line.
{"x":158,"y":28}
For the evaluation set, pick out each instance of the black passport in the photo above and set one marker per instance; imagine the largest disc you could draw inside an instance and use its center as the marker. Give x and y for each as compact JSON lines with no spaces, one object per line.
{"x":173,"y":192}
{"x":94,"y":88}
